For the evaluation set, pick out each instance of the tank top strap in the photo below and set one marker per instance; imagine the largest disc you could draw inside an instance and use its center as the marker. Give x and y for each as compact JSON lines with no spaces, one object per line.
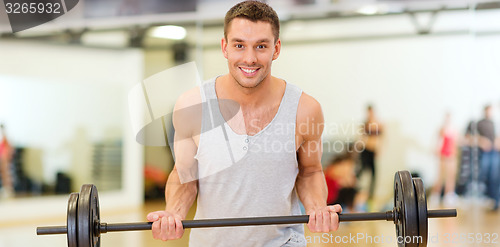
{"x":208,"y":90}
{"x":211,"y":116}
{"x":288,"y":109}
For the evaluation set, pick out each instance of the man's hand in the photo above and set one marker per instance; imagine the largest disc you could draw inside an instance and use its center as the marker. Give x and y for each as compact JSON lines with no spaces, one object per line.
{"x":166,"y":226}
{"x":485,"y":144}
{"x":324,"y":219}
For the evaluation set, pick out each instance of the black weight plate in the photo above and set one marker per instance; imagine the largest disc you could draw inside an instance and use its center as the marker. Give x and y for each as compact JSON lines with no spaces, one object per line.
{"x":96,"y":218}
{"x":71,"y":220}
{"x":88,"y":217}
{"x":405,"y":206}
{"x":422,"y":210}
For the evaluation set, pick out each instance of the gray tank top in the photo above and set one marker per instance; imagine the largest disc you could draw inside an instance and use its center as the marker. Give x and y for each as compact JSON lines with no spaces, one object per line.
{"x":256,"y":178}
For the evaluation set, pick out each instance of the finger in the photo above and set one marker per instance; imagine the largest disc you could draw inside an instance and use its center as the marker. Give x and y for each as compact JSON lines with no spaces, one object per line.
{"x":326,"y":221}
{"x":319,"y":221}
{"x":338,"y":208}
{"x":164,"y":228}
{"x":333,"y":221}
{"x":156,"y":229}
{"x":334,"y":218}
{"x":179,"y":230}
{"x":154,"y":216}
{"x":312,"y":222}
{"x":335,"y":208}
{"x":171,"y":228}
{"x":336,"y":222}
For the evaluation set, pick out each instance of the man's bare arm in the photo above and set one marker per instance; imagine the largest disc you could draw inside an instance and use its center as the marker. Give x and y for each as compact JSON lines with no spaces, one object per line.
{"x":311,"y":185}
{"x":181,"y":188}
{"x":179,"y":197}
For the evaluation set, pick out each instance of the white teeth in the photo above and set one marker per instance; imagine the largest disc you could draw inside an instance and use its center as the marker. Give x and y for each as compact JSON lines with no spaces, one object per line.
{"x":249,"y":70}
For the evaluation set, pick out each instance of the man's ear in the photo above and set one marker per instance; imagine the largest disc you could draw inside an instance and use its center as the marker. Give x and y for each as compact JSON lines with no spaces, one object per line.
{"x":223,"y":46}
{"x":277,"y":49}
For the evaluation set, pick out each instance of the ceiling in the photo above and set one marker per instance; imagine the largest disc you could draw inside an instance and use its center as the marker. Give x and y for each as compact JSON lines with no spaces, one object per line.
{"x":130,"y":20}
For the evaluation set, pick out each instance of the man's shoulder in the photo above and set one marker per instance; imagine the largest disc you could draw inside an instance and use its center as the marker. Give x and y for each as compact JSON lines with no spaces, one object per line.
{"x":186,"y":117}
{"x":308,"y":107}
{"x":189,"y":98}
{"x":484,"y":122}
{"x":309,"y":117}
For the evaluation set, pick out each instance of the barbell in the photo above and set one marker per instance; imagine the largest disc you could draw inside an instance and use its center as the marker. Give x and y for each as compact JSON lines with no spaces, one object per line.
{"x":410,"y":216}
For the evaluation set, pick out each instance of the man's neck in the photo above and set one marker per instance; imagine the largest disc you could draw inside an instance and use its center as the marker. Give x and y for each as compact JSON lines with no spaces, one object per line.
{"x":247,"y":97}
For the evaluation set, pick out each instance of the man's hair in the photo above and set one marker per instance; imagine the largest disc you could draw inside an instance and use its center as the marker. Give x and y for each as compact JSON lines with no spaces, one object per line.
{"x":253,"y":11}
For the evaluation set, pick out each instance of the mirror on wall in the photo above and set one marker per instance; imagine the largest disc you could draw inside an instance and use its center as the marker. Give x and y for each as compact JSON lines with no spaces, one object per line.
{"x":65,"y":117}
{"x":60,"y":134}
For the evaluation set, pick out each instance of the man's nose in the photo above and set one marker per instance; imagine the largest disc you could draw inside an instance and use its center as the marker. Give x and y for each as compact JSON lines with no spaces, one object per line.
{"x":250,"y":57}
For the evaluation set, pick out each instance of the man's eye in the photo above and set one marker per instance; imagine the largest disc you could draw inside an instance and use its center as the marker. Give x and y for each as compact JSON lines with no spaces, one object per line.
{"x":239,"y":46}
{"x":261,"y":46}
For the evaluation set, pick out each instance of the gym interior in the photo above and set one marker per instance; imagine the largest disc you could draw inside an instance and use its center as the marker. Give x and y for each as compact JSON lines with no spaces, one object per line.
{"x":424,"y":74}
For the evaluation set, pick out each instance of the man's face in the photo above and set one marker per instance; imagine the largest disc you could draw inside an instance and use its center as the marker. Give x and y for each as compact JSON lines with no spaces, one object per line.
{"x":250,"y":50}
{"x":370,"y":113}
{"x":488,"y":112}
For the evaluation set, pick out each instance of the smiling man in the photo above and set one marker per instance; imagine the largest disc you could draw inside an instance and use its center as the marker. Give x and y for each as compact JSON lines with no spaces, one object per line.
{"x":277,"y":126}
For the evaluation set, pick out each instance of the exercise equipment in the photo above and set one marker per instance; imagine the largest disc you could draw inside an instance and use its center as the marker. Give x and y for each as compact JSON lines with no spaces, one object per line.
{"x":410,"y":216}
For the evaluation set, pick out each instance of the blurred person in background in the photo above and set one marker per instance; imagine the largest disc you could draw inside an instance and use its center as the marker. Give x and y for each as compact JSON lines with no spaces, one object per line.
{"x":6,"y":153}
{"x":496,"y":147}
{"x":447,"y":165}
{"x":341,"y":181}
{"x":488,"y":156}
{"x":468,"y":157}
{"x":372,"y":131}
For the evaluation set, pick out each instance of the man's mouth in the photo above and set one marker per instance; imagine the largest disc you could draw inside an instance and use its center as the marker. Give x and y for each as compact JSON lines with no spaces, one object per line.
{"x":249,"y":71}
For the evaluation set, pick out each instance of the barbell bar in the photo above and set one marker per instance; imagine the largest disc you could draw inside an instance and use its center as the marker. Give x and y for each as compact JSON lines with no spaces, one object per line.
{"x":249,"y":221}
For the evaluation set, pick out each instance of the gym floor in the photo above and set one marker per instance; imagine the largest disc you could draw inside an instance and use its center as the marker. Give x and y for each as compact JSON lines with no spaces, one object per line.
{"x":475,"y":226}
